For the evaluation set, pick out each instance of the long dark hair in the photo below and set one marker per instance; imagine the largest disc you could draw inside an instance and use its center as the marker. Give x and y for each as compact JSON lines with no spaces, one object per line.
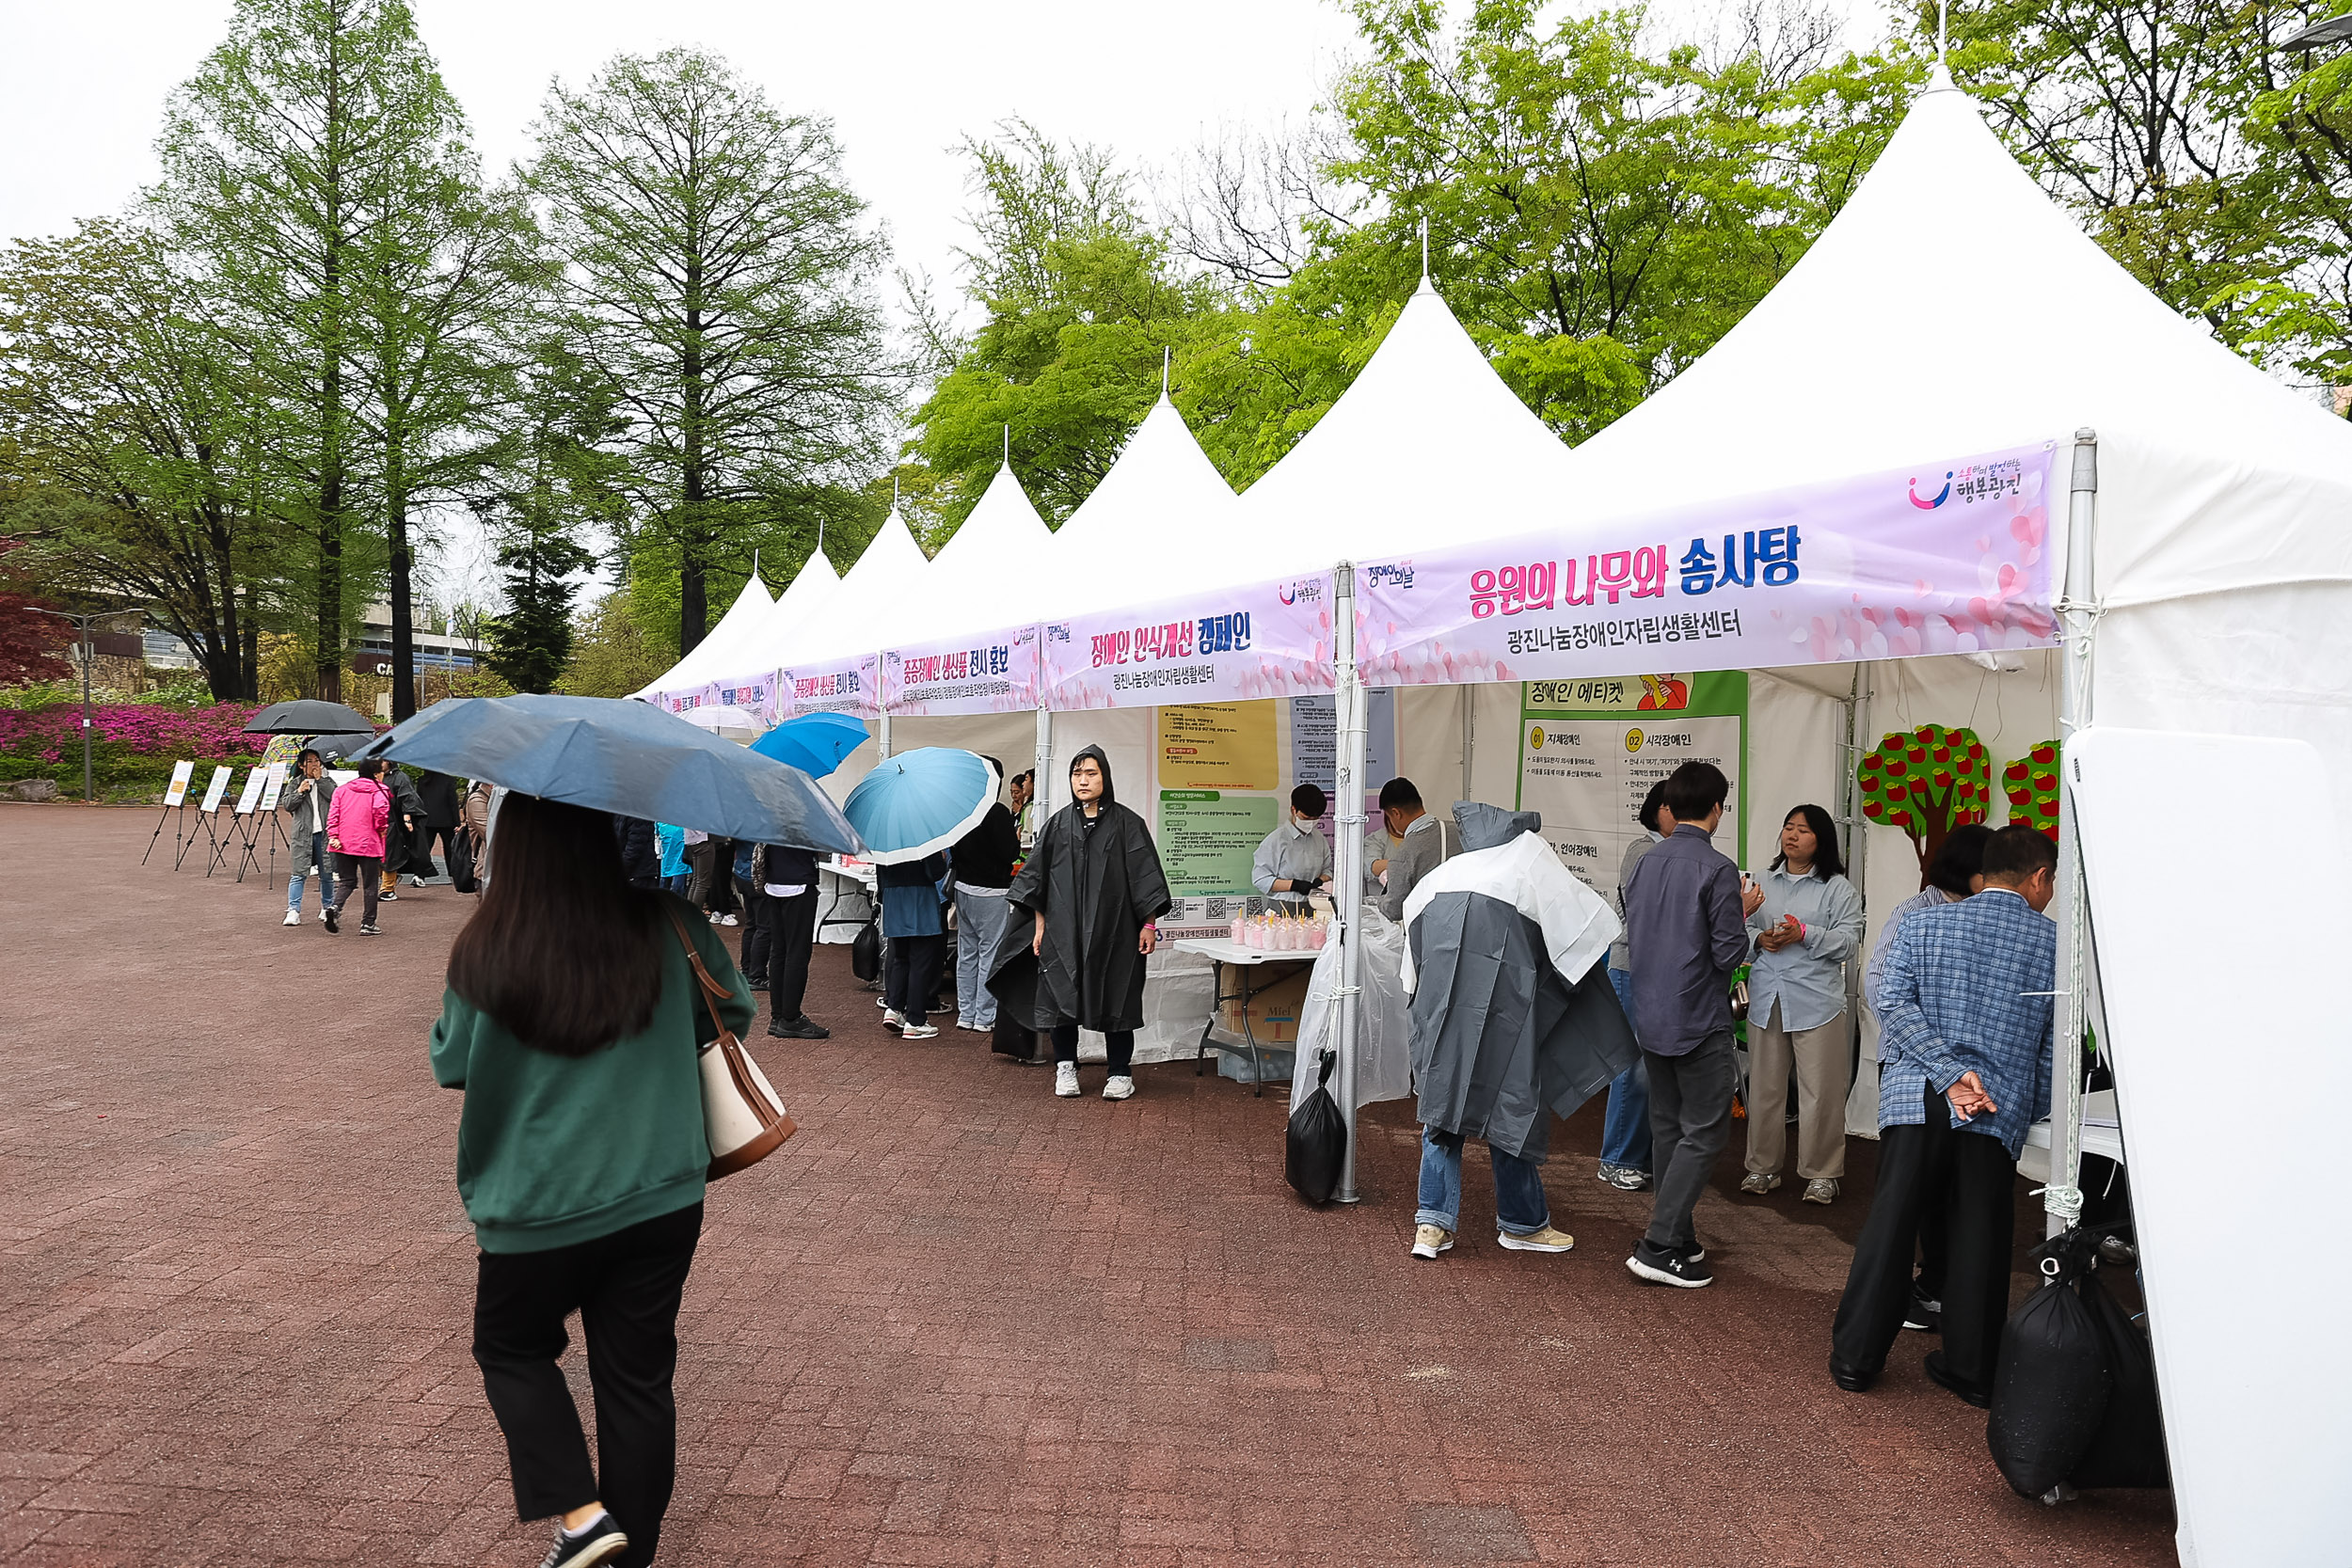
{"x":561,"y":950}
{"x":1827,"y":862}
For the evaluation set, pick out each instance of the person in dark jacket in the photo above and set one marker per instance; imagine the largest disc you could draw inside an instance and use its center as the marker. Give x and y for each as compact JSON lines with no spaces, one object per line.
{"x":438,"y":794}
{"x":753,"y":957}
{"x":915,"y":927}
{"x":571,"y":1021}
{"x":983,"y":862}
{"x":400,"y":835}
{"x":306,"y":798}
{"x":641,"y":857}
{"x":1686,"y":913}
{"x":788,"y":906}
{"x":1092,"y":887}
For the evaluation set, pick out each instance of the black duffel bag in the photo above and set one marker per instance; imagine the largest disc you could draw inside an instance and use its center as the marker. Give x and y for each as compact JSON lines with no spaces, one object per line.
{"x":2051,"y":1386}
{"x":1317,"y":1141}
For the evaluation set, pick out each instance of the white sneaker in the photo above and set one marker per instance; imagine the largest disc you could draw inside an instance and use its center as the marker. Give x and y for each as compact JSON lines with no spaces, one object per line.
{"x":415,"y":881}
{"x":892,"y":1020}
{"x":728,"y":920}
{"x":293,"y":917}
{"x":1119,"y":1089}
{"x":919,"y":1032}
{"x":1066,"y":1080}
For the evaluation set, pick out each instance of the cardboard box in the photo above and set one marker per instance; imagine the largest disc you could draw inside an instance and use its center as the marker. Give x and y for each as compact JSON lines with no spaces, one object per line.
{"x":1274,"y":1011}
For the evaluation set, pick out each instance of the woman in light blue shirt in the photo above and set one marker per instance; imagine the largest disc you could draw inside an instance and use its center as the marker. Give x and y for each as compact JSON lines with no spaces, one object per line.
{"x":1807,"y":927}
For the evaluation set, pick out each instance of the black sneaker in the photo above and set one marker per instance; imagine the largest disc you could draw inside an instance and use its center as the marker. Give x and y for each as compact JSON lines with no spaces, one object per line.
{"x":368,"y":929}
{"x":1922,"y":1313}
{"x":388,"y":897}
{"x":598,"y":1541}
{"x":802,"y":1028}
{"x":329,"y":918}
{"x":1694,"y":1252}
{"x":1666,"y":1266}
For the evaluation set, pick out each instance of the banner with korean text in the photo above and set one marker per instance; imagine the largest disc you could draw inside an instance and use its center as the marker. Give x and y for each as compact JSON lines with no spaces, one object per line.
{"x":755,"y":694}
{"x":851,"y":684}
{"x":1223,"y":645}
{"x":1948,"y":558}
{"x":992,"y":672}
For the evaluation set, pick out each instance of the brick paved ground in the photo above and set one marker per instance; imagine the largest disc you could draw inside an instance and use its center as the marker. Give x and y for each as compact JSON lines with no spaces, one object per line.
{"x":954,"y":1321}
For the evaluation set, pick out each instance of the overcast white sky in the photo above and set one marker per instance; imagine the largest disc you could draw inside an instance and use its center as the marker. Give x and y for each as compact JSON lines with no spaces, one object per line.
{"x":81,"y":85}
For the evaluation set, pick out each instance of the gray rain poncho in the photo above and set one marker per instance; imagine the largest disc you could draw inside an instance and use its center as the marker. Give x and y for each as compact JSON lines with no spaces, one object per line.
{"x":1512,"y":1016}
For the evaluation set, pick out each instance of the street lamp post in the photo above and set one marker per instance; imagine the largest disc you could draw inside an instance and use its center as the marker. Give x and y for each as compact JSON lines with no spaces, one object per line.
{"x":83,"y":624}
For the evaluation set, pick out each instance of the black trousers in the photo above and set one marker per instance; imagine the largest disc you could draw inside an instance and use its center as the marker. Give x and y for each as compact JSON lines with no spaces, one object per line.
{"x":1119,"y":1043}
{"x":753,"y":959}
{"x":421,"y":848}
{"x":363,"y":873}
{"x":626,"y":1288}
{"x":791,"y":925}
{"x":911,"y":975}
{"x":1978,"y":1183}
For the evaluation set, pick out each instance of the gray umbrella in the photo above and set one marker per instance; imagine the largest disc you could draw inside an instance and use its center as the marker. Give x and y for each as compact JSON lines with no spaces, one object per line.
{"x":309,"y":716}
{"x":334,"y":748}
{"x":625,"y":757}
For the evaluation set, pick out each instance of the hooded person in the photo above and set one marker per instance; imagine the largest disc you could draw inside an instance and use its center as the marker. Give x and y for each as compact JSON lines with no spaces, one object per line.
{"x":1092,"y":888}
{"x":1513,"y":1019}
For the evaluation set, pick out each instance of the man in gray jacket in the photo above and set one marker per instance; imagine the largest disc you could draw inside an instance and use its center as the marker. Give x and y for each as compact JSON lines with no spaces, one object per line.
{"x":1423,"y":844}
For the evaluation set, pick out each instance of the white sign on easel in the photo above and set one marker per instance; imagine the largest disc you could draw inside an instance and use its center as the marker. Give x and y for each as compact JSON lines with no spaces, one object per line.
{"x":178,"y":794}
{"x":252,"y":794}
{"x":214,"y":791}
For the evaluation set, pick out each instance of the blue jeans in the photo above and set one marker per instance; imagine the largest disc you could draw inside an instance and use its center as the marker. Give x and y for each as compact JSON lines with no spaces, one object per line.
{"x":979,"y":924}
{"x":1519,"y":1206}
{"x":327,"y":886}
{"x":1624,"y":1135}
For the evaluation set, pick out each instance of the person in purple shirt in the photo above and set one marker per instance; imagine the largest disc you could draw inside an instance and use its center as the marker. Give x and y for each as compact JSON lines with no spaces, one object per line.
{"x":1686,"y":913}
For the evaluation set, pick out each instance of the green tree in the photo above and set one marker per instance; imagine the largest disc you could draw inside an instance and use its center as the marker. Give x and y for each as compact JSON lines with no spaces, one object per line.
{"x":129,"y":441}
{"x":278,"y":158}
{"x":1082,"y":304}
{"x":610,"y":656}
{"x":2302,"y":304}
{"x":715,"y":261}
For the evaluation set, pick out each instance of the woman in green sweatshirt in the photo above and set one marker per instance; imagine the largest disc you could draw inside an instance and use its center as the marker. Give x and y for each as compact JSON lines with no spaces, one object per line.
{"x":571,"y":1021}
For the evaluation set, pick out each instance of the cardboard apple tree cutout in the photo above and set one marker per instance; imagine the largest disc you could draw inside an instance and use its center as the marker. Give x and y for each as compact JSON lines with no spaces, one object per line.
{"x":1927,"y":782}
{"x":2031,"y":784}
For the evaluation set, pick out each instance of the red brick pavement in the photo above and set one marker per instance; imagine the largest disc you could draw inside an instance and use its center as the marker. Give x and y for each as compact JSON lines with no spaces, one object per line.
{"x":954,"y":1321}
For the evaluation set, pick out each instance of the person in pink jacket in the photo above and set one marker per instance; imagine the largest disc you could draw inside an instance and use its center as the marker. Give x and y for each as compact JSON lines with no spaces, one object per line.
{"x":355,"y":820}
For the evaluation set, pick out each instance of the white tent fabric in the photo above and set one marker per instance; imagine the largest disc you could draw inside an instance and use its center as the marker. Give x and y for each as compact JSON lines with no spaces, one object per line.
{"x":843,"y":625}
{"x":714,"y":656}
{"x":1161,"y":523}
{"x":984,"y":577}
{"x":813,"y":588}
{"x":1425,"y":444}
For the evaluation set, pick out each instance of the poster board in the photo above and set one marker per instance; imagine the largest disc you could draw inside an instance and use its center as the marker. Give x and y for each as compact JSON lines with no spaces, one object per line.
{"x":1316,"y":749}
{"x":250,"y":796}
{"x":1591,"y":749}
{"x":214,"y":791}
{"x":1208,"y":837}
{"x":1219,"y":746}
{"x":177,"y":795}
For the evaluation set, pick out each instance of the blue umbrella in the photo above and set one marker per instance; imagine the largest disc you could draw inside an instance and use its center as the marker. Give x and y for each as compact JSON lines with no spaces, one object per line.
{"x":625,"y":757}
{"x":920,"y":803}
{"x":814,"y":742}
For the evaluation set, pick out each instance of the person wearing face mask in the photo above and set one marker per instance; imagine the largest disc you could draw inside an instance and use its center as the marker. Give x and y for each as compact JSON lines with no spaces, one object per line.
{"x":1091,"y":889}
{"x":1295,"y":860}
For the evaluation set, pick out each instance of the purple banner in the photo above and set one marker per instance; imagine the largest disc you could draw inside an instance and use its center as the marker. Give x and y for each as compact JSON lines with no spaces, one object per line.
{"x":1949,"y":558}
{"x":852,"y":685}
{"x":992,"y":672}
{"x":1225,"y":646}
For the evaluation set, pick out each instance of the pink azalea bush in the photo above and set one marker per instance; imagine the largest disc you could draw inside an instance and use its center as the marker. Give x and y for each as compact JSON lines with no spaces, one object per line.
{"x":133,"y":744}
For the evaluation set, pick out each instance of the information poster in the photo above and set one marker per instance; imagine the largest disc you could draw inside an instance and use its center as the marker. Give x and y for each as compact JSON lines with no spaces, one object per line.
{"x":178,"y":794}
{"x":1207,"y":839}
{"x":1219,"y":746}
{"x":218,"y":787}
{"x":1590,"y":750}
{"x":252,"y":794}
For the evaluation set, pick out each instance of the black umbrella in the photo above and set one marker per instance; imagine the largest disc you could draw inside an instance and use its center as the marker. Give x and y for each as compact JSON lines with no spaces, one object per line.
{"x":309,"y":716}
{"x":621,"y":756}
{"x":334,"y":748}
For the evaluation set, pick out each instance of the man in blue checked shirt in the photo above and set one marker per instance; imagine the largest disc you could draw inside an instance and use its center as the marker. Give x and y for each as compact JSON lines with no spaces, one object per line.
{"x":1964,"y":1041}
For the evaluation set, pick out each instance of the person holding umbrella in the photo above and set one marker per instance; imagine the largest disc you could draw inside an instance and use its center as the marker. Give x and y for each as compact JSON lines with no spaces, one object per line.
{"x":1092,"y":887}
{"x":912,"y":925}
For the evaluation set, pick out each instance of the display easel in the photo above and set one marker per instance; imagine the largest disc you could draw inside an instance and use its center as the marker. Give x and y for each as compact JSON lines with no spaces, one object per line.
{"x":207,"y":813}
{"x":245,"y":828}
{"x":175,"y":799}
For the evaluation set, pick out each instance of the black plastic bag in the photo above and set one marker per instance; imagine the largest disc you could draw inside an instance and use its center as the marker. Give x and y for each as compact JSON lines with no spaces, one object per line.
{"x":461,"y":875}
{"x":2051,"y":1387}
{"x":1317,"y":1140}
{"x":2128,"y":1447}
{"x":865,"y":952}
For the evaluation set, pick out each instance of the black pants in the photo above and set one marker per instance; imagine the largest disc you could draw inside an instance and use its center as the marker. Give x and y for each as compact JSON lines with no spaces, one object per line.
{"x":1978,"y":1180}
{"x":626,"y":1288}
{"x":421,"y":848}
{"x":1119,"y":1043}
{"x":911,"y":975}
{"x":753,"y":960}
{"x":792,"y":930}
{"x":713,"y":887}
{"x":1690,"y":1119}
{"x":363,"y":872}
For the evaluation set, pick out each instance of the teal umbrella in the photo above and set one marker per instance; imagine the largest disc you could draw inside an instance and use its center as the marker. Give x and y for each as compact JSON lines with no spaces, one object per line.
{"x":920,"y":803}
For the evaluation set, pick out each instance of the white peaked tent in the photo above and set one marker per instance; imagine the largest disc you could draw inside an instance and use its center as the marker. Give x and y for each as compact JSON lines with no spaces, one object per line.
{"x":1162,"y":522}
{"x":813,"y":587}
{"x":1425,"y":446}
{"x":984,"y":577}
{"x":843,"y":625}
{"x":714,"y":656}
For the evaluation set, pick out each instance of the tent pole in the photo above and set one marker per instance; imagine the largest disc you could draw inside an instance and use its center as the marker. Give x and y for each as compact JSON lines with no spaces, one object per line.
{"x":2078,"y":616}
{"x":1348,"y":895}
{"x":1470,"y":737}
{"x":1855,"y":827}
{"x":1044,"y":762}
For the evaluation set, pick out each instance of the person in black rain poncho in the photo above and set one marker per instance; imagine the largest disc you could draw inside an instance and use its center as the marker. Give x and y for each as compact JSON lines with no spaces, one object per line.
{"x":1092,"y":888}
